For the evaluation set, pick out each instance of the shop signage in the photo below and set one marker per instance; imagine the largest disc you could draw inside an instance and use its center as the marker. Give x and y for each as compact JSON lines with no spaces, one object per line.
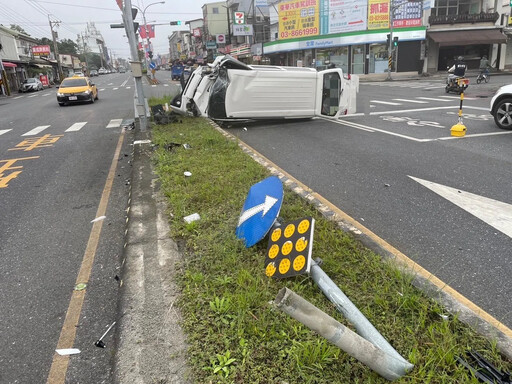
{"x":239,"y":17}
{"x":41,"y":50}
{"x":211,"y":45}
{"x":44,"y":80}
{"x":378,"y":14}
{"x":298,"y":19}
{"x":260,"y":3}
{"x":338,"y":16}
{"x":243,"y":30}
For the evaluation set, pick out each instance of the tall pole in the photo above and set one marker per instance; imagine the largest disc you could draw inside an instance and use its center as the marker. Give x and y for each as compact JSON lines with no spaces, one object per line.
{"x":143,"y":11}
{"x":137,"y":74}
{"x":55,"y":48}
{"x":85,"y":51}
{"x":390,"y":46}
{"x":3,"y":78}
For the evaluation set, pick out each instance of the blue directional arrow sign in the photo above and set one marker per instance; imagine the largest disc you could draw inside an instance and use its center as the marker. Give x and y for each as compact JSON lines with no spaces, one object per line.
{"x":260,"y":210}
{"x":152,"y":65}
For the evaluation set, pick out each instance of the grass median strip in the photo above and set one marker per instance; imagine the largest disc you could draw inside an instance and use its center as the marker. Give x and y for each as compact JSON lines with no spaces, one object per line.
{"x":234,"y":334}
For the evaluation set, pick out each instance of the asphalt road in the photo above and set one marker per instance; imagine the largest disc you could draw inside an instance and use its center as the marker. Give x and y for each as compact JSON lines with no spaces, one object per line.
{"x":54,"y":163}
{"x":379,"y":165}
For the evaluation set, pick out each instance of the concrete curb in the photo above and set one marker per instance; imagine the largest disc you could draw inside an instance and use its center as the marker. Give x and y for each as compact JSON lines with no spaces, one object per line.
{"x":151,"y":346}
{"x":429,"y":285}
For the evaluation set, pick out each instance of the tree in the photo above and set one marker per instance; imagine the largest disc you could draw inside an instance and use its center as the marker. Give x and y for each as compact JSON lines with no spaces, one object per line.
{"x":67,"y":46}
{"x":17,"y":28}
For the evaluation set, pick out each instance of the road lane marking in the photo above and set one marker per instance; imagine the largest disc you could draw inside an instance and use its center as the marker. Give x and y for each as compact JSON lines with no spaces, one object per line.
{"x":59,"y":367}
{"x":433,"y":99}
{"x":475,"y":135}
{"x":102,"y":89}
{"x":412,"y":101}
{"x":384,"y":102}
{"x":114,"y":123}
{"x":495,"y":213}
{"x":458,"y":97}
{"x":128,"y":87}
{"x":115,"y":89}
{"x":124,"y":82}
{"x":18,"y":97}
{"x":46,"y":94}
{"x":32,"y":96}
{"x":371,"y":129}
{"x":412,"y":110}
{"x":36,"y":130}
{"x":2,"y":131}
{"x":76,"y":127}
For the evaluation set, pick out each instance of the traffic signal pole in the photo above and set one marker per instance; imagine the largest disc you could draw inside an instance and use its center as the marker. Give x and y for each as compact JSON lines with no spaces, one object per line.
{"x":136,"y":65}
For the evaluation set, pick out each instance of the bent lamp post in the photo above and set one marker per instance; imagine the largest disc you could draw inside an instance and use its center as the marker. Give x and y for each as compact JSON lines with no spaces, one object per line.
{"x":356,"y":346}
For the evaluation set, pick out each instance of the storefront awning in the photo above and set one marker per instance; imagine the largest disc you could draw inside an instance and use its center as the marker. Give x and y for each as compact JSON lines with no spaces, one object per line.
{"x":474,"y":37}
{"x":9,"y":65}
{"x":43,"y":66}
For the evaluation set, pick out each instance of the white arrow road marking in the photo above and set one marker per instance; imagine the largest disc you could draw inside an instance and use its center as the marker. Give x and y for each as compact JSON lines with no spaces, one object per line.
{"x":495,"y":213}
{"x":264,"y":207}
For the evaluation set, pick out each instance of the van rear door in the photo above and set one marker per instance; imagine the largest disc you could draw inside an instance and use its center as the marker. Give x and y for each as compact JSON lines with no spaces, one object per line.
{"x":336,"y":95}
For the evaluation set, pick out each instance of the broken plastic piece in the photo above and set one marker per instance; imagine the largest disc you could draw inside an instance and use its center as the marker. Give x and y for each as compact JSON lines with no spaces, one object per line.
{"x":67,"y":351}
{"x":80,"y":286}
{"x":186,"y":146}
{"x":141,"y":142}
{"x":99,"y":343}
{"x":99,"y":219}
{"x":191,"y":218}
{"x":187,"y":173}
{"x":484,"y":370}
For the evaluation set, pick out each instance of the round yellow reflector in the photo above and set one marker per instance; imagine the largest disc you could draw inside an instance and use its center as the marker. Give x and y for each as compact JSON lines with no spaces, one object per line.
{"x":273,"y":251}
{"x":284,"y":266}
{"x":276,"y":234}
{"x":270,"y":270}
{"x":287,"y":247}
{"x":301,"y":244}
{"x":303,"y":226}
{"x":299,"y":262}
{"x":289,"y":230}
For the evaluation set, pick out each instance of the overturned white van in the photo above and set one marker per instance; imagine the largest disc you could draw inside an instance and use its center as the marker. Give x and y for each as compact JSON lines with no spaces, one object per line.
{"x":229,"y":90}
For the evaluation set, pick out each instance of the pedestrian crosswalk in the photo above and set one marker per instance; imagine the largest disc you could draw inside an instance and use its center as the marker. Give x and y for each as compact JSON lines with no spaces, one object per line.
{"x":408,"y":84}
{"x":75,"y":127}
{"x":416,"y":100}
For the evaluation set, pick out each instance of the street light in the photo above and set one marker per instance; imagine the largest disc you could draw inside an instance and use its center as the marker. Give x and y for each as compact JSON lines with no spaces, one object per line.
{"x":143,"y":11}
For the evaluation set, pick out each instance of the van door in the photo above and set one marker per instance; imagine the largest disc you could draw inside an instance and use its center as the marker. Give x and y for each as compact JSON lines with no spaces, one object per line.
{"x":334,"y":94}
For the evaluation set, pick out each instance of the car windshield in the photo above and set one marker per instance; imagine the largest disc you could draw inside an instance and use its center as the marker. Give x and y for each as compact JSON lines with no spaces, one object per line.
{"x":30,"y":81}
{"x":73,"y":83}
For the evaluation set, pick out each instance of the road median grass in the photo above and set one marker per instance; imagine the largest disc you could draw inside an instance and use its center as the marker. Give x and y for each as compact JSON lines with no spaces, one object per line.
{"x":234,"y":333}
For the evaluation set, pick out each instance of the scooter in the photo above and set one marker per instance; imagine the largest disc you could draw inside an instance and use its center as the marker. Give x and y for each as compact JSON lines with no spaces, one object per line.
{"x":456,"y":84}
{"x":483,"y":76}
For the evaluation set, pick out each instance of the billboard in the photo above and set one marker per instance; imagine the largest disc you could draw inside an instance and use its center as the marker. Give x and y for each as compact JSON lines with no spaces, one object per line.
{"x":407,"y":15}
{"x":41,"y":50}
{"x":338,"y":16}
{"x":378,"y":14}
{"x":299,"y":18}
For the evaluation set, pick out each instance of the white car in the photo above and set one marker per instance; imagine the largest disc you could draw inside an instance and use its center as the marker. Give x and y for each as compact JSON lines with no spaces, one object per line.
{"x":31,"y":84}
{"x":229,"y":90}
{"x":102,"y":71}
{"x":501,"y":107}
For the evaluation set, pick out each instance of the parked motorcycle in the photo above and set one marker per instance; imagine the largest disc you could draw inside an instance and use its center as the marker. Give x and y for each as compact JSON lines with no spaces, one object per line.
{"x":456,"y":84}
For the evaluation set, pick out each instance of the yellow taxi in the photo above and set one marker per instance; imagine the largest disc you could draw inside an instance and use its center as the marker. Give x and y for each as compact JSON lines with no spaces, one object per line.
{"x":76,"y":89}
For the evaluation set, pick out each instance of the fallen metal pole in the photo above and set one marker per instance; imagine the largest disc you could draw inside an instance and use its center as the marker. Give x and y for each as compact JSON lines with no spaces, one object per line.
{"x":351,"y":313}
{"x":303,"y":311}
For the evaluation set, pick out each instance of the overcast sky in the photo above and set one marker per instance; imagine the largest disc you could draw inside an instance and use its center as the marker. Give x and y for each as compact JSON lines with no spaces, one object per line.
{"x":32,"y":15}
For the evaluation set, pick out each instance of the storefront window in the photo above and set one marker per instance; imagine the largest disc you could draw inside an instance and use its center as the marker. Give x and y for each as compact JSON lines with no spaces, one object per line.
{"x":378,"y":58}
{"x":357,"y":59}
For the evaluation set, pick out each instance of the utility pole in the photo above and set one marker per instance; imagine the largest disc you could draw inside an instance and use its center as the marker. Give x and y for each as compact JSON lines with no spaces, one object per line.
{"x":4,"y":86}
{"x":84,"y":45}
{"x":55,"y":48}
{"x":136,"y":64}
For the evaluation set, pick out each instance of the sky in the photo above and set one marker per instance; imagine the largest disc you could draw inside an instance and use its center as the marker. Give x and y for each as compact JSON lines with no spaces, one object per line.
{"x":32,"y":16}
